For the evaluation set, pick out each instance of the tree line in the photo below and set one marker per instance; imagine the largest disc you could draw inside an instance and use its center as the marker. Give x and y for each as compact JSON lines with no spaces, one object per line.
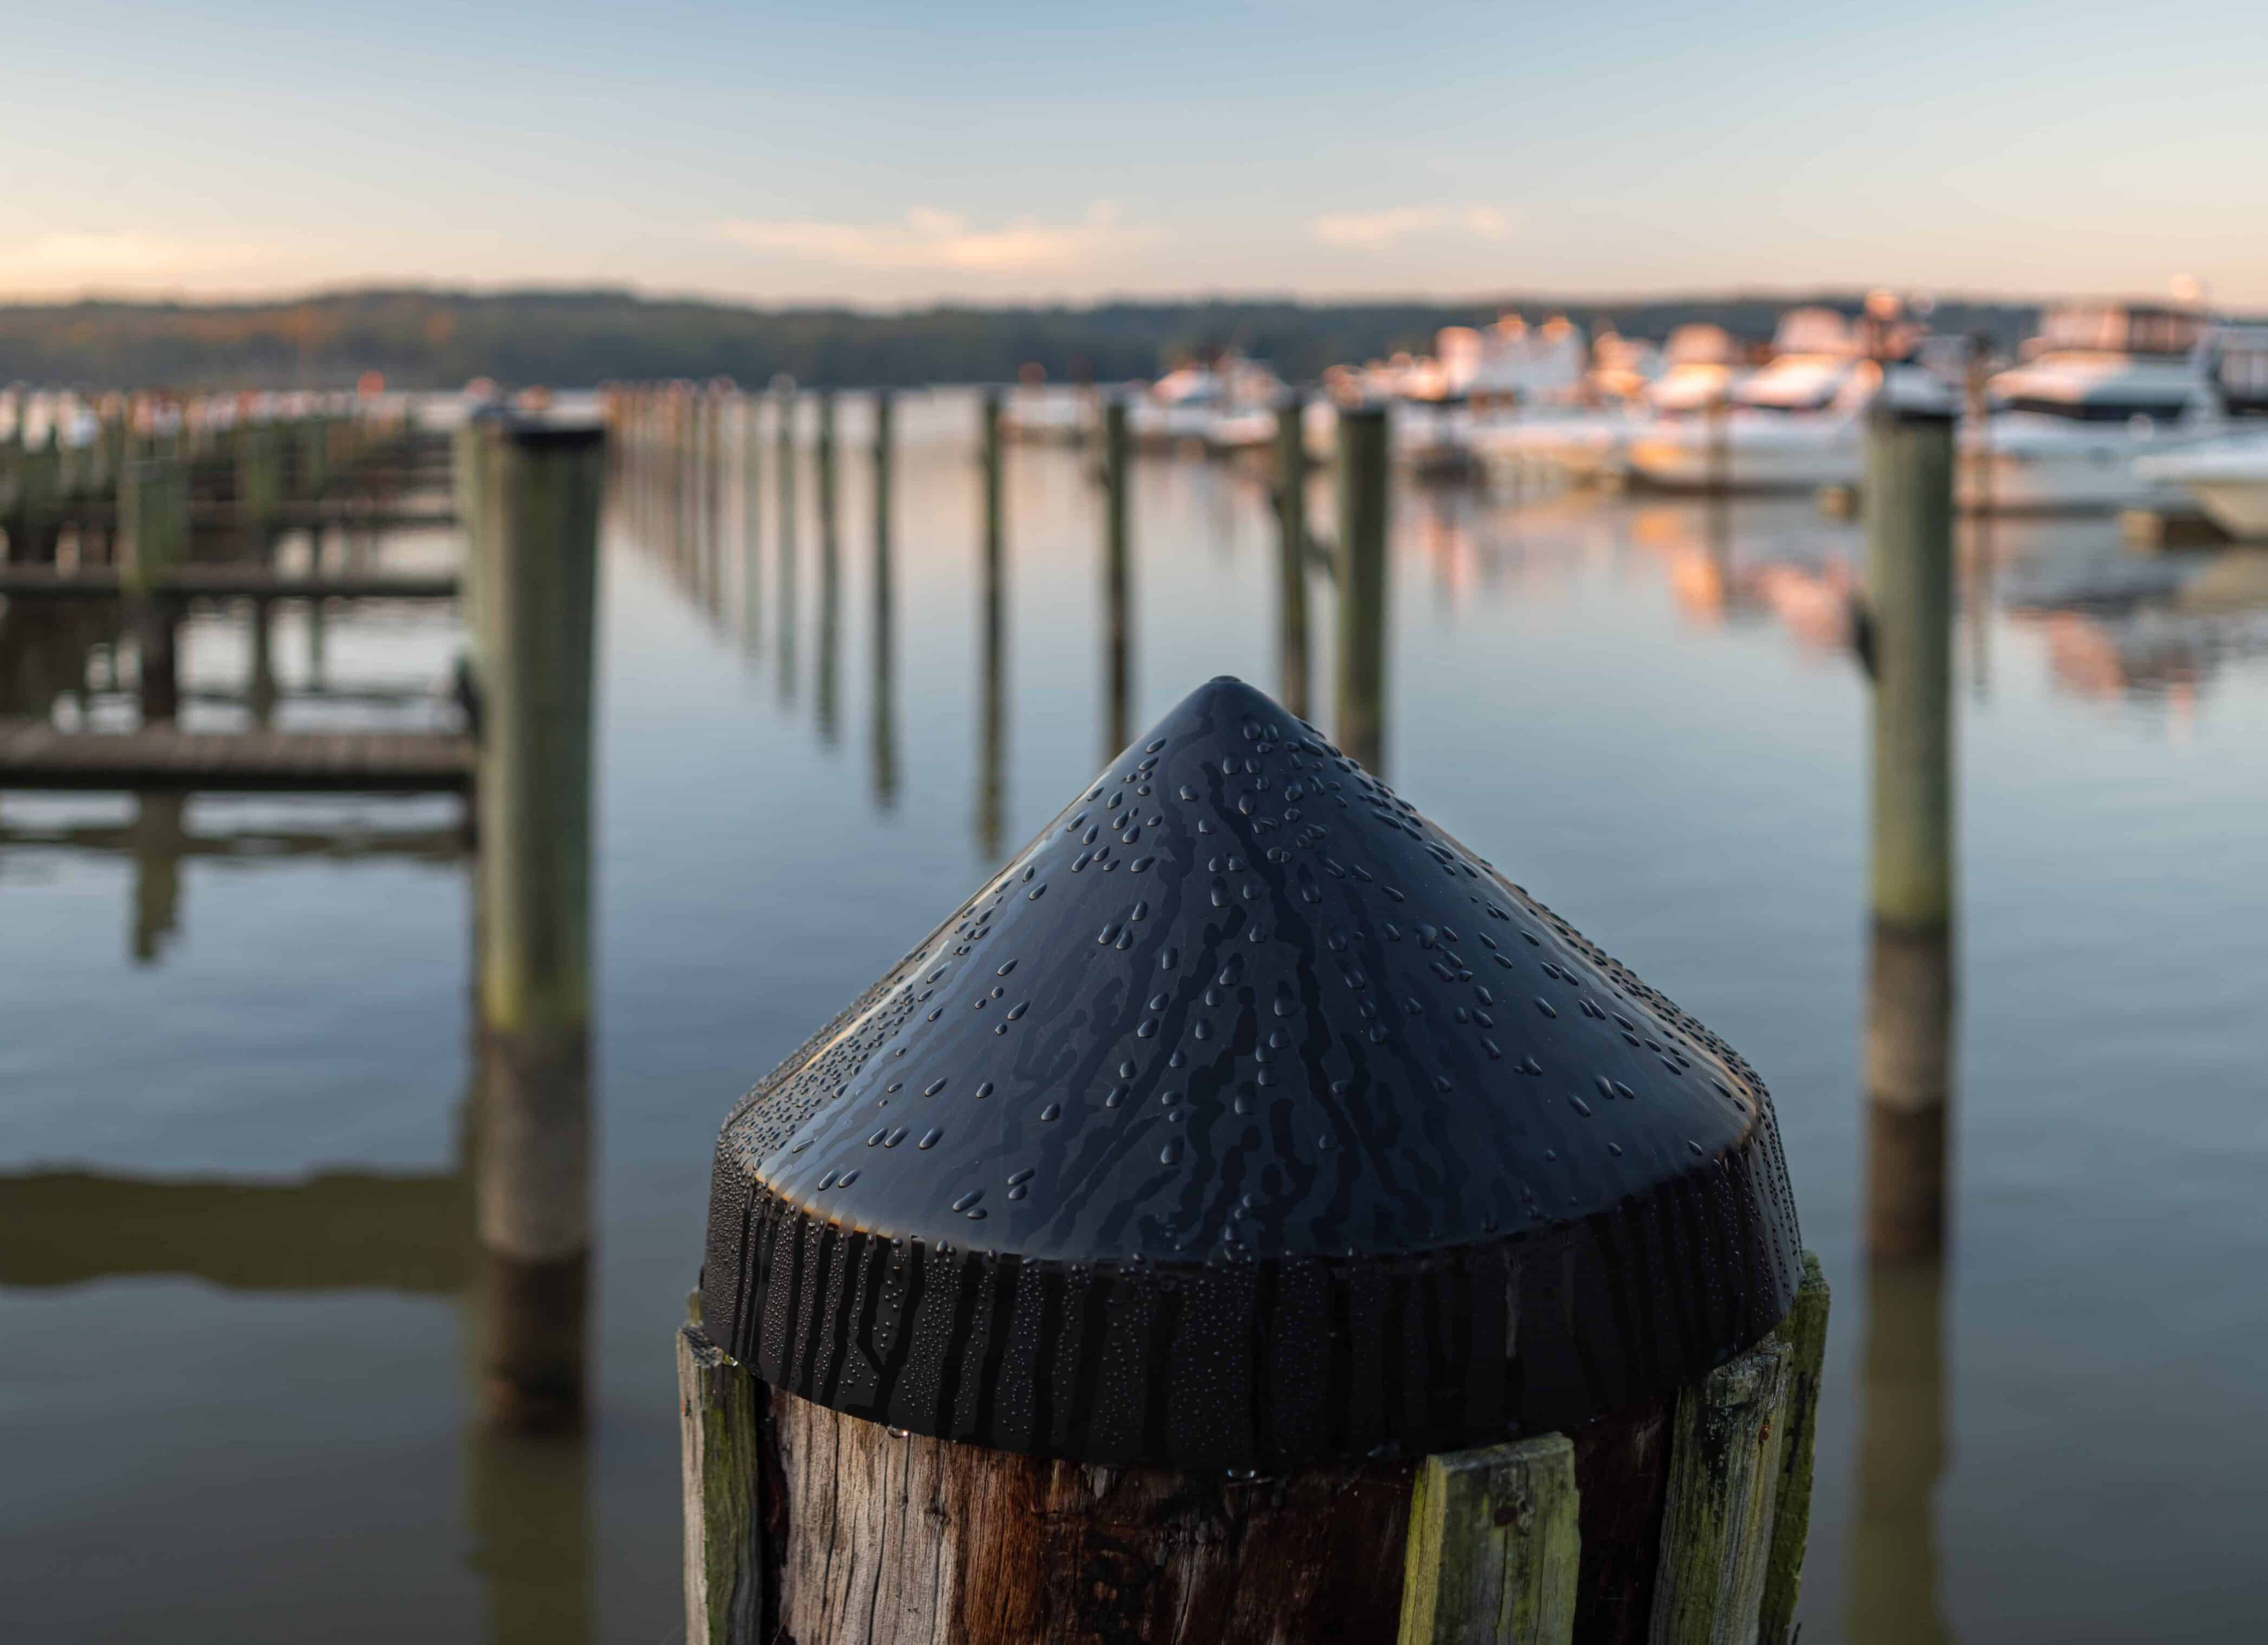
{"x":436,"y":339}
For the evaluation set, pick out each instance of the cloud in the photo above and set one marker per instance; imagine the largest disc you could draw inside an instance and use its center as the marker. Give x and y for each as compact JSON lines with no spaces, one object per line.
{"x":1383,"y":228}
{"x":134,"y":255}
{"x":930,"y":239}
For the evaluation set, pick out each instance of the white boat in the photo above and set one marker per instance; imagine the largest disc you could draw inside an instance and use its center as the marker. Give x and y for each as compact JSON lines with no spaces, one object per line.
{"x":1186,"y":405}
{"x":2227,"y":478}
{"x":1039,"y":413}
{"x":1795,"y":424}
{"x":2102,"y":386}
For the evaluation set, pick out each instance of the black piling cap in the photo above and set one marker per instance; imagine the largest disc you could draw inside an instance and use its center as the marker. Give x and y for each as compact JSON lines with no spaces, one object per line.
{"x":1248,"y":1120}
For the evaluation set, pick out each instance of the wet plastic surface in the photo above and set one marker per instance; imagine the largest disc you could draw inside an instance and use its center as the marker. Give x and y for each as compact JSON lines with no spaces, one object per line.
{"x":1244,"y":1119}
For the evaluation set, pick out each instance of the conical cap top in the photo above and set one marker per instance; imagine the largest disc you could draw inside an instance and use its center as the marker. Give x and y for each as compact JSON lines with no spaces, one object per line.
{"x":1248,"y":1119}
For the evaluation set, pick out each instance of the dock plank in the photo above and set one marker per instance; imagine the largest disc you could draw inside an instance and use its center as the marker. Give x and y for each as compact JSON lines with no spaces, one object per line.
{"x":35,"y":754}
{"x":220,"y":582}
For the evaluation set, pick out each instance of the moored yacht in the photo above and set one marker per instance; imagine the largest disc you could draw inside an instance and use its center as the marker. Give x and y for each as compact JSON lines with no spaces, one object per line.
{"x":2103,"y":384}
{"x":1794,"y":425}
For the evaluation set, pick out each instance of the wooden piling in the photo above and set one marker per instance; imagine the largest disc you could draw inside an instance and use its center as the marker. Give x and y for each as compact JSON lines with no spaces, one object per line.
{"x":1724,"y":1489}
{"x":1291,"y":555}
{"x":154,"y":522}
{"x":720,"y":1410}
{"x":1171,"y":1469}
{"x":1804,"y":1332}
{"x":539,"y":572}
{"x":261,"y":693}
{"x":1910,"y":592}
{"x":1359,"y":707}
{"x":1118,"y":683}
{"x":1494,"y":1547}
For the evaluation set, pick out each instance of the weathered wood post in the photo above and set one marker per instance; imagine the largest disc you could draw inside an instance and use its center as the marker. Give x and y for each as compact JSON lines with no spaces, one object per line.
{"x":1117,"y":644}
{"x":153,"y":511}
{"x":260,"y":688}
{"x":883,"y":727}
{"x":1718,"y":430}
{"x":1364,"y":583}
{"x":1249,"y":1217}
{"x":258,"y":480}
{"x":1908,"y":490}
{"x":541,"y":492}
{"x":1291,"y":555}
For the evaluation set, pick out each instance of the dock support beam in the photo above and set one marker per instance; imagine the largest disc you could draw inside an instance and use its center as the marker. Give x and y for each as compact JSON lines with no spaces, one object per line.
{"x":542,"y":487}
{"x":1360,"y":709}
{"x":1909,"y":491}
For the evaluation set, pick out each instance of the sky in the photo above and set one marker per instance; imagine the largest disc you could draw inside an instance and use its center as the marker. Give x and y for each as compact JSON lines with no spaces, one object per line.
{"x":887,"y":154}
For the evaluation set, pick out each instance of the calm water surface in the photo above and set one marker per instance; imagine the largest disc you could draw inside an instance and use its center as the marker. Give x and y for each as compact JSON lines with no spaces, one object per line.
{"x":235,"y":1396}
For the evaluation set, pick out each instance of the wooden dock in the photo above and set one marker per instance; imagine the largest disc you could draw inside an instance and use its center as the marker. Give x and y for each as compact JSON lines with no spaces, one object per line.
{"x":35,"y":754}
{"x":224,"y":582}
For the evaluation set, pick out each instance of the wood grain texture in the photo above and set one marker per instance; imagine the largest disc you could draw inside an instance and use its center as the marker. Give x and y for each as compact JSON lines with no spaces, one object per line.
{"x":1494,"y":1547}
{"x":1622,"y":1468}
{"x":894,"y":1540}
{"x":1724,"y":1483}
{"x":1804,"y":1332}
{"x":719,"y":1411}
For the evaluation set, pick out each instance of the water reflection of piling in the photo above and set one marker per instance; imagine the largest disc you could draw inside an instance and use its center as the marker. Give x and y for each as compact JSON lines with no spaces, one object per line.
{"x":528,"y":1506}
{"x":159,"y":843}
{"x":1901,"y":1444}
{"x":993,"y":617}
{"x":537,"y":563}
{"x":1359,"y":708}
{"x":784,"y":482}
{"x":1118,"y":670}
{"x":1291,"y":557}
{"x":1910,"y":577}
{"x":830,"y":573}
{"x":884,"y":707}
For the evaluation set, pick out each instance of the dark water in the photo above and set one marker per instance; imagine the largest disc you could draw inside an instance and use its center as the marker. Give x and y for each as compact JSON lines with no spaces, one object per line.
{"x":235,"y":1394}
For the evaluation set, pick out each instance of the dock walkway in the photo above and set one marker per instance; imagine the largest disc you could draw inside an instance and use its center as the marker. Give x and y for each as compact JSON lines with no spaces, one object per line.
{"x":224,"y":582}
{"x":35,"y":754}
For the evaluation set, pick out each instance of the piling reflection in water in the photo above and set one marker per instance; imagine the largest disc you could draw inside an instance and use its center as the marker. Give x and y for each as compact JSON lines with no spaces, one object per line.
{"x":1893,"y":1598}
{"x":992,"y":615}
{"x":884,"y":639}
{"x":1117,"y":554}
{"x":829,"y":574}
{"x":784,"y":482}
{"x":159,"y":842}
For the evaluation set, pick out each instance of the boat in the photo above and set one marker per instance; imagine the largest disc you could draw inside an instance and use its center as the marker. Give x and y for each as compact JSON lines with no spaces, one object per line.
{"x":2227,"y":479}
{"x":1048,"y":414}
{"x":1794,"y":424}
{"x":1184,"y":407}
{"x":2104,"y":386}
